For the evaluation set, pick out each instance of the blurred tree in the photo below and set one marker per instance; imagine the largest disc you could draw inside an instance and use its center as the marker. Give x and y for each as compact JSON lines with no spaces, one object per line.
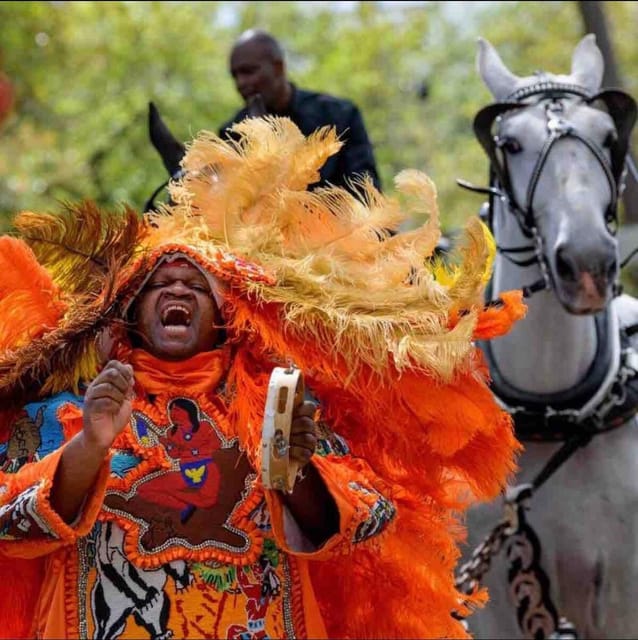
{"x":84,"y":72}
{"x":595,"y":21}
{"x":6,"y":96}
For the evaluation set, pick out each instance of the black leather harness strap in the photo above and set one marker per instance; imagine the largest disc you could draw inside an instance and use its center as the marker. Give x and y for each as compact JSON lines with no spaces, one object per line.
{"x":561,"y":418}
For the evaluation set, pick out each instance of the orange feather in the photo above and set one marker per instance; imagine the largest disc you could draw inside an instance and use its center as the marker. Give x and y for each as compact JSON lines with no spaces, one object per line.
{"x":30,"y":302}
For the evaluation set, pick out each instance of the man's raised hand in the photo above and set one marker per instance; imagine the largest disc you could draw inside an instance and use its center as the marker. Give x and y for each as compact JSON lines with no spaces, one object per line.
{"x":107,"y":405}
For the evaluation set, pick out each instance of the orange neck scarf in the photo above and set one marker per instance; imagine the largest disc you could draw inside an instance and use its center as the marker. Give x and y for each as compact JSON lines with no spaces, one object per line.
{"x":200,"y":374}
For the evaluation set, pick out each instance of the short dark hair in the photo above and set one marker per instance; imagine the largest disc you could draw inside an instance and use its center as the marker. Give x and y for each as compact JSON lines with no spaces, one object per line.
{"x":259,"y":36}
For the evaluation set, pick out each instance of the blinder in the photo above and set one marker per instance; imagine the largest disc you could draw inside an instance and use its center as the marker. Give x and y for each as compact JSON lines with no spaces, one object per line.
{"x":483,"y":122}
{"x":622,"y":109}
{"x":620,"y":106}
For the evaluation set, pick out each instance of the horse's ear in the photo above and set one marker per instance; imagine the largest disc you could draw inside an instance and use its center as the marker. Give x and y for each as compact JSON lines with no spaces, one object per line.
{"x":496,"y":76}
{"x":588,"y":65}
{"x":170,"y":149}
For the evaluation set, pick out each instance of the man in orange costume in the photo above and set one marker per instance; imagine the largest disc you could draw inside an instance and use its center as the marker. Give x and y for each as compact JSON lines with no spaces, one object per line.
{"x":137,"y":509}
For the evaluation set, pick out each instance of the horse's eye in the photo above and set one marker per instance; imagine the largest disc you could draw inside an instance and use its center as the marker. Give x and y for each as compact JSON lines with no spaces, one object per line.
{"x":610,"y":139}
{"x":510,"y":145}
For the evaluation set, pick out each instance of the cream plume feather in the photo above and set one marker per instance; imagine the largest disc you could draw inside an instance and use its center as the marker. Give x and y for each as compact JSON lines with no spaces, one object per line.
{"x":339,"y":273}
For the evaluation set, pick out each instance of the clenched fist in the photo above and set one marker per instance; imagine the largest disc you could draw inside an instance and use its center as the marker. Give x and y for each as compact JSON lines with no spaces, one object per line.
{"x":108,"y":405}
{"x":303,"y":434}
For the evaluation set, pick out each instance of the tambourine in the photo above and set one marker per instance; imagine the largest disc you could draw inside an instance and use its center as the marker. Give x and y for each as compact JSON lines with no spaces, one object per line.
{"x":285,"y":392}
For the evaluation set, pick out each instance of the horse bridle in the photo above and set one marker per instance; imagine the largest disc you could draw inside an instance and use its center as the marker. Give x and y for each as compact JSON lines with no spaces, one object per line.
{"x":513,"y":530}
{"x":622,"y":109}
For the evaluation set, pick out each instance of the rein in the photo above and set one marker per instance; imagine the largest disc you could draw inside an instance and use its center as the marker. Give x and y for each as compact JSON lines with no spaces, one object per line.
{"x":150,"y":203}
{"x":613,"y":403}
{"x":529,"y":584}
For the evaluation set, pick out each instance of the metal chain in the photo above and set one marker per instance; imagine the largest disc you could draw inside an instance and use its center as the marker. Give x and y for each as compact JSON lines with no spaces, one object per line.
{"x":471,"y":572}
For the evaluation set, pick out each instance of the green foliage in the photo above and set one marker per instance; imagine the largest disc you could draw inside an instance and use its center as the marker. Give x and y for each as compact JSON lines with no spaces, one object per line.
{"x":84,"y":73}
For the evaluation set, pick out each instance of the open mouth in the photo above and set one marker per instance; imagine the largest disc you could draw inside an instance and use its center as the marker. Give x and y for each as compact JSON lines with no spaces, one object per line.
{"x":176,"y":316}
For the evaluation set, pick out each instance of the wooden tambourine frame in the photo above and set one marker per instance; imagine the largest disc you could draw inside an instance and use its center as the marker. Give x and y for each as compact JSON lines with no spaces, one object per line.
{"x":285,"y":392}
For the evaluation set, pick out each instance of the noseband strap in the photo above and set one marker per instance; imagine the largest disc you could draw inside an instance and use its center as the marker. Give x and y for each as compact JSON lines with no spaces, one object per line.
{"x":560,"y":128}
{"x":621,"y":108}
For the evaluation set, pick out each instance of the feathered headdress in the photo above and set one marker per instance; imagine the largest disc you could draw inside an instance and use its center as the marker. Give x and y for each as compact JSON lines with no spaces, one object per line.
{"x":383,"y":330}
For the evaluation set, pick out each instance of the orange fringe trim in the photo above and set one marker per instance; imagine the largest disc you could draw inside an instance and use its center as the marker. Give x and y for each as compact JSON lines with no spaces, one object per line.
{"x":155,"y":458}
{"x":71,"y":578}
{"x":298,"y":615}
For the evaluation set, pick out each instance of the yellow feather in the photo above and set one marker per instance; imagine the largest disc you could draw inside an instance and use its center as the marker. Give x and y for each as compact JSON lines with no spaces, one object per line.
{"x":330,"y":262}
{"x":81,"y":243}
{"x":338,"y":273}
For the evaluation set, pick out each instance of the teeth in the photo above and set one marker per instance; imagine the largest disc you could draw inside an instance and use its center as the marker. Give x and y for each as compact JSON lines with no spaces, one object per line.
{"x":176,"y":314}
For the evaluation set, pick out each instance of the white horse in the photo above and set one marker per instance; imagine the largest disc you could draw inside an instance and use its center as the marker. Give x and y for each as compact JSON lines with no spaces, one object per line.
{"x":556,"y":167}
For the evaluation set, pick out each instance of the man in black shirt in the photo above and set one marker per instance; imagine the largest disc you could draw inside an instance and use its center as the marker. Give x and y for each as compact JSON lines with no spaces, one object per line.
{"x":259,"y":70}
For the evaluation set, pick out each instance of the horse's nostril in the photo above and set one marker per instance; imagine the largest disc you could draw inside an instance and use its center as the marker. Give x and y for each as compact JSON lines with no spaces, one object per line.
{"x":565,"y":268}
